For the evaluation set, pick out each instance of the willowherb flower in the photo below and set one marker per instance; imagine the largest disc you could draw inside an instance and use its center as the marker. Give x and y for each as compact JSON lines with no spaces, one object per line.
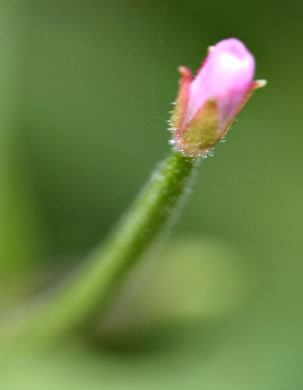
{"x":207,"y":105}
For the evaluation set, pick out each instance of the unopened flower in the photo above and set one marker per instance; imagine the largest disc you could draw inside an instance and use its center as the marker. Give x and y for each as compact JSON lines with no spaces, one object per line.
{"x":207,"y":105}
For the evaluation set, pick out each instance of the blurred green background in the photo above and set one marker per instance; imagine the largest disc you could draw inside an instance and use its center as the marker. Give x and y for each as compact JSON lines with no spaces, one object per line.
{"x":86,"y":87}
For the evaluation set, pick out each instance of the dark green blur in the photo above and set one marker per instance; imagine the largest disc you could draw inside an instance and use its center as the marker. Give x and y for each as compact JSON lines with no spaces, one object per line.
{"x":85,"y":91}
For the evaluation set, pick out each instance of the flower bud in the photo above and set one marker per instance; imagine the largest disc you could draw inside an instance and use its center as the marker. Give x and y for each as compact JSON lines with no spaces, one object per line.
{"x":207,"y":105}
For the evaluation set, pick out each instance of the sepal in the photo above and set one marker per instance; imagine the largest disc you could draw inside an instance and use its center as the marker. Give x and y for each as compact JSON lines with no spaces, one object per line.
{"x":181,"y":105}
{"x":201,"y":133}
{"x":257,"y":84}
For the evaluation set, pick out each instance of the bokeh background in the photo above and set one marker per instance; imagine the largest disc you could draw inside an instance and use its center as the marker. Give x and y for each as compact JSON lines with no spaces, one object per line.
{"x":86,"y":87}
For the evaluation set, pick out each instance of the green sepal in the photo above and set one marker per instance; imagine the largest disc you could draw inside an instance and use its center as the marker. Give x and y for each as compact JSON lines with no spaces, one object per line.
{"x":201,"y":133}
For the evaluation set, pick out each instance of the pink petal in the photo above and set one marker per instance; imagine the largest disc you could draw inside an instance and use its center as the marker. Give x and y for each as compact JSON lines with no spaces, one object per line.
{"x":226,"y":76}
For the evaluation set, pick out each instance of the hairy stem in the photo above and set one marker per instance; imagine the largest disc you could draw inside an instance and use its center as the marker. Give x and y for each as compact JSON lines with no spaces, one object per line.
{"x":87,"y":290}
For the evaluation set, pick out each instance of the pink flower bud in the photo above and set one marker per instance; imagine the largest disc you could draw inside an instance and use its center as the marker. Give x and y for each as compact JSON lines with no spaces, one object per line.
{"x":208,"y":104}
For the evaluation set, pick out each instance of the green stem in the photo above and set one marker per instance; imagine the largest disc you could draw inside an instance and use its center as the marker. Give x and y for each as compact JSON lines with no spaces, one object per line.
{"x":87,"y":291}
